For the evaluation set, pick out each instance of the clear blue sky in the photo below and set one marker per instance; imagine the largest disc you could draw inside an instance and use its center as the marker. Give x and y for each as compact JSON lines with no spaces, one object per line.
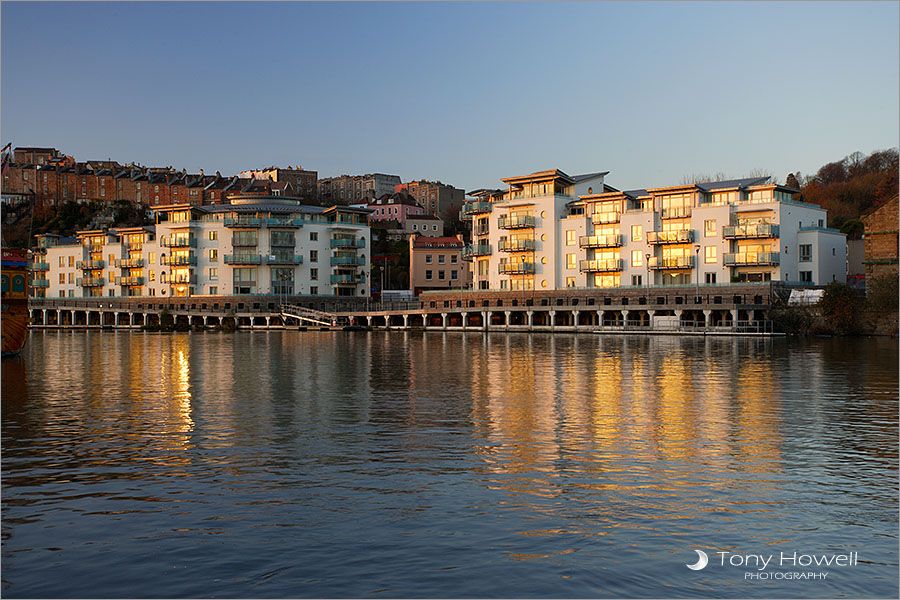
{"x":463,"y":92}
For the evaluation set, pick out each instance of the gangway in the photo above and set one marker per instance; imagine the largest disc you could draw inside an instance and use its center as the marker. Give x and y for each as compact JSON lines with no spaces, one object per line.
{"x":311,"y":315}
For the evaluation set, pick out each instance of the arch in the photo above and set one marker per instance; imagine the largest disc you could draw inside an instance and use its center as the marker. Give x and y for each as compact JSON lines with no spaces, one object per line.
{"x":498,"y":318}
{"x":213,"y":322}
{"x":395,"y":320}
{"x":415,"y":320}
{"x":137,"y":319}
{"x":259,"y":322}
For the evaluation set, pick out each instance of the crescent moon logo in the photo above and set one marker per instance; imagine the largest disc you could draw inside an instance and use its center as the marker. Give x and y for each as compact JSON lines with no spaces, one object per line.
{"x":701,"y":562}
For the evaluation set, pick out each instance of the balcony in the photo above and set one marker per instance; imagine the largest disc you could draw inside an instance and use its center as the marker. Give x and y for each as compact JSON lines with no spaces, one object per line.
{"x":603,"y":218}
{"x":40,"y":266}
{"x":516,"y":246}
{"x":675,"y":212}
{"x":178,"y":242}
{"x":87,"y":265}
{"x":94,"y":248}
{"x":129,"y":281}
{"x":129,"y":263}
{"x":178,"y":261}
{"x":474,"y":208}
{"x":600,"y":241}
{"x":348,"y":243}
{"x":243,"y":259}
{"x":284,"y":259}
{"x":671,"y":263}
{"x":242,"y":222}
{"x":293,"y":223}
{"x":90,"y":281}
{"x":516,"y":222}
{"x":516,"y":268}
{"x":132,"y":245}
{"x":741,"y":259}
{"x":182,"y":278}
{"x":601,"y":266}
{"x":760,"y":230}
{"x":349,"y":261}
{"x":476,"y":250}
{"x":40,"y":283}
{"x":670,"y":237}
{"x":348,"y":279}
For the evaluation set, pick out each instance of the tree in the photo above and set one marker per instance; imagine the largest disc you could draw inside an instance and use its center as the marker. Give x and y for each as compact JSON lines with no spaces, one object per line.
{"x":841,"y":308}
{"x":792,"y":181}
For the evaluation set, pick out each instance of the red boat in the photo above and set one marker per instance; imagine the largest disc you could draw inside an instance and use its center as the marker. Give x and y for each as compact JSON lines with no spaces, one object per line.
{"x":14,"y":323}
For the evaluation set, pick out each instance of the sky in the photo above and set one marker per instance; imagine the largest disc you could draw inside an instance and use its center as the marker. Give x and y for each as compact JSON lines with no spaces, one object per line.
{"x":462,"y":92}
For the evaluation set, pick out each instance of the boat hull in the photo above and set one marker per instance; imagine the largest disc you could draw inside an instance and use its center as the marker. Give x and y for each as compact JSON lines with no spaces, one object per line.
{"x":14,"y":315}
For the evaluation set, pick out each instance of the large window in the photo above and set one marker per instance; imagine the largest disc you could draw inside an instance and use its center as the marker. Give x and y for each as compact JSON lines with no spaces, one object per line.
{"x":637,"y":258}
{"x":709,"y":228}
{"x":710,"y":255}
{"x":805,"y":253}
{"x":636,"y":233}
{"x":571,"y":262}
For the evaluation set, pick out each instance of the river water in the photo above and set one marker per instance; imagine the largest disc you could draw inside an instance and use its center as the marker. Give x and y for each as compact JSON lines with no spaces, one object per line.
{"x":411,"y":464}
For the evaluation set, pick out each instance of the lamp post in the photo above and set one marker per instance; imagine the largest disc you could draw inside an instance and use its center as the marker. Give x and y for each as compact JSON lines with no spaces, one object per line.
{"x":647,"y":258}
{"x":523,"y":281}
{"x":697,"y":252}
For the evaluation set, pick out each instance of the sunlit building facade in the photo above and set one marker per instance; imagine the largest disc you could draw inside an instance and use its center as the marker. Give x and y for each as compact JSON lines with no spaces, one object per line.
{"x":552,"y":231}
{"x":252,"y":246}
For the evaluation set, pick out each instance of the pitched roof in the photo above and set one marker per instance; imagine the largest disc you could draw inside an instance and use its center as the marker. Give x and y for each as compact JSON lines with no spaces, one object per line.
{"x":422,"y":241}
{"x":577,"y":178}
{"x":710,"y":186}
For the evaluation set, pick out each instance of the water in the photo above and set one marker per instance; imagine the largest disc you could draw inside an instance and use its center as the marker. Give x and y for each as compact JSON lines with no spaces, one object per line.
{"x":318,"y":464}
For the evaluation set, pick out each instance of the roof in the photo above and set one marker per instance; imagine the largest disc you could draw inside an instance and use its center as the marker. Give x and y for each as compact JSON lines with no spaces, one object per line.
{"x":578,"y":178}
{"x":423,"y":218}
{"x":395,"y":198}
{"x":731,"y":183}
{"x":421,"y":241}
{"x":538,"y":175}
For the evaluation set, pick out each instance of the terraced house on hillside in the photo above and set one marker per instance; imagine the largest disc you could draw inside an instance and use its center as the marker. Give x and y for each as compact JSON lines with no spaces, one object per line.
{"x":549,"y":230}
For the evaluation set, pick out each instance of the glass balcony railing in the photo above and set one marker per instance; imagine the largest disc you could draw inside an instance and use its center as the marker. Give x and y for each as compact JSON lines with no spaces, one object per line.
{"x":182,"y":278}
{"x":178,"y":242}
{"x":670,"y":237}
{"x":672,"y":262}
{"x":516,"y":222}
{"x":276,"y":222}
{"x":88,"y":265}
{"x":516,"y":268}
{"x":40,"y":283}
{"x":474,"y":208}
{"x":178,"y":261}
{"x":351,"y":261}
{"x":242,"y":222}
{"x":476,"y":250}
{"x":243,"y":259}
{"x":759,"y":230}
{"x":516,"y":246}
{"x":601,"y":266}
{"x":752,"y":258}
{"x":675,"y":212}
{"x":129,"y":263}
{"x":600,"y":241}
{"x":284,"y":259}
{"x":40,"y":266}
{"x":348,"y":243}
{"x":348,"y":279}
{"x":90,"y":281}
{"x":604,"y":217}
{"x":129,"y":281}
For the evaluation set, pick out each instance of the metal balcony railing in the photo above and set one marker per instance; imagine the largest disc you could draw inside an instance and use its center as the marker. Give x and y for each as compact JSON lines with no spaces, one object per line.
{"x":516,"y":268}
{"x":242,"y":222}
{"x":129,"y":281}
{"x":347,"y":279}
{"x":352,"y":261}
{"x":243,"y":259}
{"x":178,"y":242}
{"x":516,"y":246}
{"x":674,"y":262}
{"x":178,"y":261}
{"x":129,"y":263}
{"x":179,"y":278}
{"x":759,"y":230}
{"x":90,"y":281}
{"x":516,"y":222}
{"x":474,"y":208}
{"x":276,"y":222}
{"x":284,"y":259}
{"x":476,"y":250}
{"x":752,"y":258}
{"x":88,"y":265}
{"x":348,"y":243}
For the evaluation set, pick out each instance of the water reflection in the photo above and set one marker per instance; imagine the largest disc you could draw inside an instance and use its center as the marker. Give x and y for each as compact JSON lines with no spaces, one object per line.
{"x":555,"y":465}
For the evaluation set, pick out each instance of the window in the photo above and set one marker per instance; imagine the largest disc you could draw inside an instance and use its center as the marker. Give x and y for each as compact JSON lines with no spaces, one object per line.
{"x":636,"y":280}
{"x":441,"y":258}
{"x":709,"y":228}
{"x":62,"y":261}
{"x":570,"y":261}
{"x":314,"y":290}
{"x":213,"y":290}
{"x":453,"y":275}
{"x":62,"y":277}
{"x":636,"y":233}
{"x":441,"y":274}
{"x":314,"y":273}
{"x":313,"y":256}
{"x":570,"y":282}
{"x":710,"y":254}
{"x":213,"y":255}
{"x":427,"y":259}
{"x":710,"y":278}
{"x":213,"y":236}
{"x":453,"y":259}
{"x":151,"y":258}
{"x":213,"y":273}
{"x":428,"y":275}
{"x":805,"y":253}
{"x":314,"y":236}
{"x":570,"y":238}
{"x":415,"y":227}
{"x":71,"y":261}
{"x":806,"y":276}
{"x":152,"y":275}
{"x":152,"y":291}
{"x":434,"y":227}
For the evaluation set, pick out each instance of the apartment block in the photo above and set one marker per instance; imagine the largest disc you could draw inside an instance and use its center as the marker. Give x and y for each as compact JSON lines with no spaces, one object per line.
{"x":355,"y":189}
{"x":435,"y":263}
{"x":252,"y":245}
{"x":438,"y":198}
{"x":551,"y":231}
{"x":304,"y":183}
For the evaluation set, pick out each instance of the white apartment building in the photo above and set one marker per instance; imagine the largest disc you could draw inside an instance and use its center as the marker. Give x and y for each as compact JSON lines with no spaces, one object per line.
{"x":252,"y":246}
{"x":551,"y":231}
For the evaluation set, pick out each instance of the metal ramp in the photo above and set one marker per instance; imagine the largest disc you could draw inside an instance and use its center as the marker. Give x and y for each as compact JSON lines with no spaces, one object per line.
{"x":309,"y":315}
